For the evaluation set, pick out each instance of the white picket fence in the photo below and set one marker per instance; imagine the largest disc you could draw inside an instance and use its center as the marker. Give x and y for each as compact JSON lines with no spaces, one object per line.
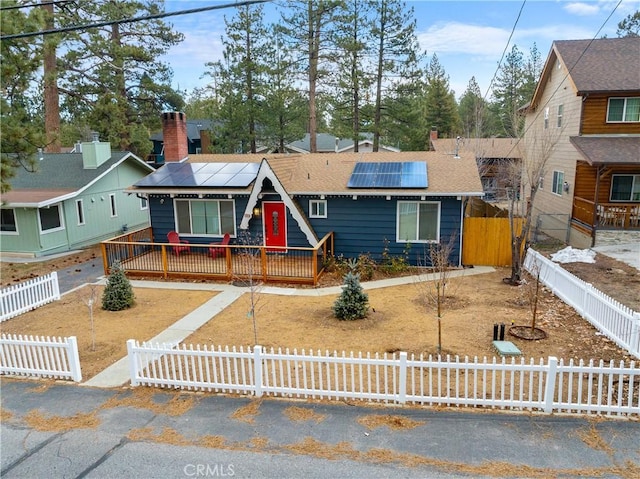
{"x":28,"y":295}
{"x":615,"y":320}
{"x":506,"y":384}
{"x":42,"y":357}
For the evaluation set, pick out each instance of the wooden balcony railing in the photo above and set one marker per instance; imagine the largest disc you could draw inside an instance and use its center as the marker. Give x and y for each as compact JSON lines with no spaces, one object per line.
{"x":141,"y":256}
{"x":607,"y":215}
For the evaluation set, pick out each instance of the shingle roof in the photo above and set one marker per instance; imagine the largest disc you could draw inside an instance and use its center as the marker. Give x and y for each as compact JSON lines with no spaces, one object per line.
{"x":480,"y":147}
{"x":606,"y":64}
{"x":61,"y":170}
{"x":323,"y":173}
{"x":56,"y":175}
{"x":330,"y":173}
{"x":607,"y":149}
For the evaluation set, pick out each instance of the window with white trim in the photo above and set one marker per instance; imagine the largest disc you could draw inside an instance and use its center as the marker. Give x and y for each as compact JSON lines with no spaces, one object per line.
{"x":8,"y":221}
{"x":623,"y":110}
{"x":50,"y":219}
{"x":559,"y":116}
{"x":558,"y":181}
{"x":418,"y":222}
{"x":625,"y":188}
{"x":144,"y":203}
{"x":205,"y":217}
{"x":317,"y":208}
{"x":112,"y":204}
{"x":546,"y":118}
{"x":80,"y":212}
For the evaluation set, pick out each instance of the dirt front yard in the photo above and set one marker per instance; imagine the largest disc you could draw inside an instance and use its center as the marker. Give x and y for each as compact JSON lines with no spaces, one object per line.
{"x":154,"y":311}
{"x":400,"y":318}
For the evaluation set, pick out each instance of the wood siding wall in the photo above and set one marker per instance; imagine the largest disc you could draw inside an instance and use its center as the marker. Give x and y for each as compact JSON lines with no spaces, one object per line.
{"x":586,"y":181}
{"x":363,"y":225}
{"x":594,"y":117}
{"x":360,"y":226}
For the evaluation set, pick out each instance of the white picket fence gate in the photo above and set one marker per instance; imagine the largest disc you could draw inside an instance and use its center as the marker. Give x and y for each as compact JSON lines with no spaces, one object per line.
{"x":517,"y":385}
{"x":615,"y":320}
{"x":42,"y":357}
{"x":28,"y":295}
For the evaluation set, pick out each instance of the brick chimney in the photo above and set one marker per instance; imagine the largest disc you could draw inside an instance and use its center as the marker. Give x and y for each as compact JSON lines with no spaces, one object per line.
{"x":174,"y":135}
{"x":433,"y":135}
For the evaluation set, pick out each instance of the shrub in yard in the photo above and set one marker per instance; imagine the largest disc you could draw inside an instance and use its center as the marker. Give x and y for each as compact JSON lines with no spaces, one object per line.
{"x":118,"y":293}
{"x":353,"y":302}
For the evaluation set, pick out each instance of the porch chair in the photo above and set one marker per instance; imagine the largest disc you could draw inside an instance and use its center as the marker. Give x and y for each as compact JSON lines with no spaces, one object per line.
{"x":215,"y":250}
{"x":176,"y":243}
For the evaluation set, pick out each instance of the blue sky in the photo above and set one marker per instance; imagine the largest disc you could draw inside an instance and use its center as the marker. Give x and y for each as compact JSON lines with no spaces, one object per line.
{"x":467,"y":36}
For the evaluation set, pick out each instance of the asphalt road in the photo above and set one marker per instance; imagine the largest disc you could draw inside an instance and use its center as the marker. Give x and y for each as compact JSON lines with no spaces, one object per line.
{"x":137,"y":441}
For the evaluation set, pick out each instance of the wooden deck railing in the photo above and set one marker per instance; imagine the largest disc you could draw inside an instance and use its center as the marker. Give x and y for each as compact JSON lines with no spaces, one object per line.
{"x":141,"y":256}
{"x":607,"y":215}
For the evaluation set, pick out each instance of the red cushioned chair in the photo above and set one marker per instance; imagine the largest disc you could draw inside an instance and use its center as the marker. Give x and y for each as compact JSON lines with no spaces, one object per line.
{"x":177,"y":243}
{"x":215,"y":250}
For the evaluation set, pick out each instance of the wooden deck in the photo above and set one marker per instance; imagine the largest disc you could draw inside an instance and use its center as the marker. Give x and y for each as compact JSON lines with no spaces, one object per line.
{"x":142,"y":257}
{"x":607,"y":215}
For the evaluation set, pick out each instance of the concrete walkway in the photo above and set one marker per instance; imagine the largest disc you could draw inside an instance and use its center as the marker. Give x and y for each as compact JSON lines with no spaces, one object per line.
{"x":118,"y":373}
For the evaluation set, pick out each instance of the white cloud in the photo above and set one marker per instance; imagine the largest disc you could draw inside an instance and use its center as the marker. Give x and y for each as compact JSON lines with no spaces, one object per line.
{"x":582,"y":9}
{"x":188,"y":58}
{"x":455,"y":37}
{"x":546,"y":34}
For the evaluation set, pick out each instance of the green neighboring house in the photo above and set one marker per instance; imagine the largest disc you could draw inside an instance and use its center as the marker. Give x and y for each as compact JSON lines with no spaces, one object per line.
{"x":72,"y":200}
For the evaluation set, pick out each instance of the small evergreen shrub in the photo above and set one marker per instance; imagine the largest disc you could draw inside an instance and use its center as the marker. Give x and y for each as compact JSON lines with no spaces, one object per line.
{"x":353,"y":302}
{"x":118,"y":293}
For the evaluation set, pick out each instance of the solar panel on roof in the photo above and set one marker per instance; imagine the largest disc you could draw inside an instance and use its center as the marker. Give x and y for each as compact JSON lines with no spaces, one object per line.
{"x":408,"y":174}
{"x":209,"y":175}
{"x":241,"y":180}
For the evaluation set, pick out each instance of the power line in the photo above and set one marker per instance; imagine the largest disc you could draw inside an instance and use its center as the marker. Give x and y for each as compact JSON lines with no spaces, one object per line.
{"x":29,"y":5}
{"x":132,"y":20}
{"x":513,"y":29}
{"x":569,"y":70}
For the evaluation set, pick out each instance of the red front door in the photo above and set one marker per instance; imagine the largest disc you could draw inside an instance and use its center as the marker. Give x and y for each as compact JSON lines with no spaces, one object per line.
{"x":275,"y":223}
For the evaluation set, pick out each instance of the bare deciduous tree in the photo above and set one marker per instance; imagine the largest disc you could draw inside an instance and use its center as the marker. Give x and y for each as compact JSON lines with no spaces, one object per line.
{"x":250,"y":260}
{"x":89,"y":302}
{"x":434,"y":288}
{"x":536,"y":148}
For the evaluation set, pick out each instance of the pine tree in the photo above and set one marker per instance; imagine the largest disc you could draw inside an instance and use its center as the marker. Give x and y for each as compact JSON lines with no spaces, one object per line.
{"x":352,"y":76}
{"x":474,"y":112}
{"x":353,"y":302}
{"x":118,"y":293}
{"x":508,"y":93}
{"x":20,"y":132}
{"x":286,"y":106}
{"x":630,"y":26}
{"x":397,"y":59}
{"x":307,"y":29}
{"x":112,"y":78}
{"x":440,"y":103}
{"x":241,"y":76}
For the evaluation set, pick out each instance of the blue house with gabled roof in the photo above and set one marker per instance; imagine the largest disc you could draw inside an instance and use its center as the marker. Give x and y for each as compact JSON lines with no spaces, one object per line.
{"x":371,"y":202}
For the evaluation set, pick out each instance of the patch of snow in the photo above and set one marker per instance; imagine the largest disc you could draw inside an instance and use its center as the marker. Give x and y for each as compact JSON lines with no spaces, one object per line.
{"x":571,"y":255}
